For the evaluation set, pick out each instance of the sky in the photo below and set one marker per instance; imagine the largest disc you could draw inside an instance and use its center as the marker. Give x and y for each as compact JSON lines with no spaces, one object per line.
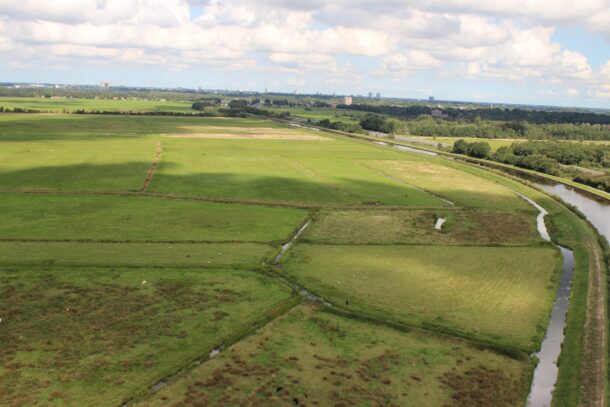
{"x":547,"y":52}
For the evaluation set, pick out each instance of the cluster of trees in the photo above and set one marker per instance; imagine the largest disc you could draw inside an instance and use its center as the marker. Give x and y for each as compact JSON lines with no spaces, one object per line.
{"x":19,"y":110}
{"x":139,"y":113}
{"x":203,"y":103}
{"x":596,"y":181}
{"x":492,"y":114}
{"x":550,"y":157}
{"x":429,"y":126}
{"x":338,"y":125}
{"x":478,"y":149}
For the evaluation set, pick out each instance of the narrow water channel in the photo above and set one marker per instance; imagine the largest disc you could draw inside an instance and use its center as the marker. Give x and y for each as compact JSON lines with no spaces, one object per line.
{"x":545,"y":374}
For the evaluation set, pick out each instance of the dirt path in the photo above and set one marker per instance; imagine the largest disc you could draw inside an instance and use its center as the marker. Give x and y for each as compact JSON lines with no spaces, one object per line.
{"x":594,"y":363}
{"x":153,"y":168}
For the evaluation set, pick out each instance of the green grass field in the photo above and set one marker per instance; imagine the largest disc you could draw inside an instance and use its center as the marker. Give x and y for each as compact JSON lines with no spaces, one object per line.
{"x":475,"y":227}
{"x":311,"y":357}
{"x":62,"y":104}
{"x":503,"y":297}
{"x":97,"y":336}
{"x":150,"y":255}
{"x":148,"y":219}
{"x":92,"y":206}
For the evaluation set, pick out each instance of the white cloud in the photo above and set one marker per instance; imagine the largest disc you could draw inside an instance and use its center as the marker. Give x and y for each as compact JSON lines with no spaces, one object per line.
{"x":402,"y":64}
{"x":509,"y":40}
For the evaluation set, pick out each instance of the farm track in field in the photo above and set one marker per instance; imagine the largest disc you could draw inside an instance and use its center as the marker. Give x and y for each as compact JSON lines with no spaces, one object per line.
{"x":153,"y":169}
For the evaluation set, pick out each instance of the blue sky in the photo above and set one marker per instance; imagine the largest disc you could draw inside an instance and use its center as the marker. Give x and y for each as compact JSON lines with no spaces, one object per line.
{"x":517,"y":51}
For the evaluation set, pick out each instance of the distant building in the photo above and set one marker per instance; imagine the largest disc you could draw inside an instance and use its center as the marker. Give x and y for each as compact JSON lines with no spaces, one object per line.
{"x":104,"y":84}
{"x":347,"y":100}
{"x":370,"y":95}
{"x":439,"y":114}
{"x":431,"y":99}
{"x":378,"y":95}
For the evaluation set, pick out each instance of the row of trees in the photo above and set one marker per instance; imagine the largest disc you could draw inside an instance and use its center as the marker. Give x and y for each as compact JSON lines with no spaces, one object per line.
{"x":554,"y":158}
{"x":428,"y":126}
{"x":492,"y":114}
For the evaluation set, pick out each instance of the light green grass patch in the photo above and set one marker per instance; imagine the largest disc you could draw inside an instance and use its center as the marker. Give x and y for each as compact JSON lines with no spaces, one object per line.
{"x":501,"y":295}
{"x":311,"y":357}
{"x":452,"y":181}
{"x":96,"y":337}
{"x":130,"y":218}
{"x":476,"y":227}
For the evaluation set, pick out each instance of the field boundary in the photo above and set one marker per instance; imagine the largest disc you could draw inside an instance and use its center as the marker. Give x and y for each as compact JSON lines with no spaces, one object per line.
{"x":134,"y":241}
{"x":268,"y":317}
{"x":171,"y":196}
{"x":153,"y":169}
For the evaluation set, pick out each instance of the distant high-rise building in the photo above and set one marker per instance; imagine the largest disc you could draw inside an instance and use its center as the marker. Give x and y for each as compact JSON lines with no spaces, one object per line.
{"x":431,"y":99}
{"x":378,"y":95}
{"x":370,"y":95}
{"x":347,"y":100}
{"x":104,"y":84}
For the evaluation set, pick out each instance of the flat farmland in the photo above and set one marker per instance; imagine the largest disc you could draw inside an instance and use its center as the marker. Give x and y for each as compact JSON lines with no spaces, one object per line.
{"x":311,"y":357}
{"x":61,"y":104}
{"x":131,"y":246}
{"x":503,"y":297}
{"x":461,"y":227}
{"x":98,"y":336}
{"x":313,"y":171}
{"x":139,"y":219}
{"x":453,"y":181}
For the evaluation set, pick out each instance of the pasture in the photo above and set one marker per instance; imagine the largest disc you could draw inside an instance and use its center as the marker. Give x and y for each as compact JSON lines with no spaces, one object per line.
{"x":503,"y":297}
{"x":98,"y":336}
{"x":313,"y":358}
{"x":65,"y":104}
{"x":461,"y":227}
{"x":131,"y":246}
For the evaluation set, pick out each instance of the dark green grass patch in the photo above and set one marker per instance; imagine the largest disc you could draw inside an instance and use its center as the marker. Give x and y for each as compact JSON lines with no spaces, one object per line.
{"x":98,"y":336}
{"x":310,"y":357}
{"x":476,"y":227}
{"x":30,"y":216}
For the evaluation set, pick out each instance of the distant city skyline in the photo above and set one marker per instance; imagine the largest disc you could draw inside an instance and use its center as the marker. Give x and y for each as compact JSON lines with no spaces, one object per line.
{"x":518,"y":51}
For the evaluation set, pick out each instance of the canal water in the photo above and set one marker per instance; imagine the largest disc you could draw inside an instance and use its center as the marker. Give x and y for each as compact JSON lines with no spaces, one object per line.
{"x":597,"y":211}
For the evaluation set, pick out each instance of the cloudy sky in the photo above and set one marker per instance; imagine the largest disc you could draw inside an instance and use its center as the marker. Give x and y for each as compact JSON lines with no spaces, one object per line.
{"x":522,"y":51}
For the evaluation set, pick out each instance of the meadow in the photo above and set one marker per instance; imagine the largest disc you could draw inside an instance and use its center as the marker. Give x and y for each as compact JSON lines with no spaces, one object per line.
{"x":65,"y":104}
{"x":503,"y":298}
{"x":131,"y":246}
{"x":311,"y":357}
{"x":461,"y":227}
{"x":98,"y":336}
